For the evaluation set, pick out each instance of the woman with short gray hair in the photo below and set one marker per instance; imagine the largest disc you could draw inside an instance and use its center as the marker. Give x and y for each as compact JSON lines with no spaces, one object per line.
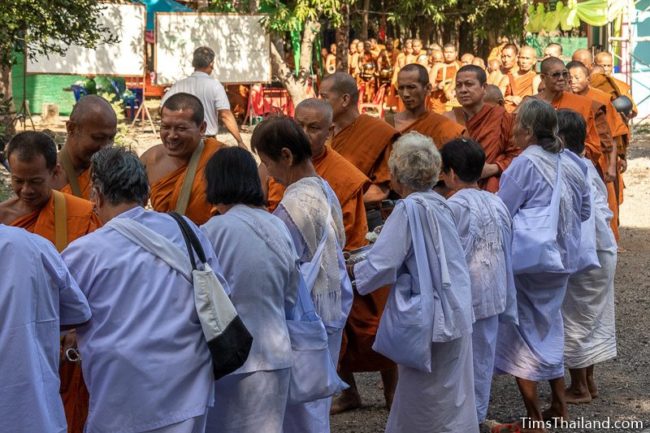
{"x":544,"y":183}
{"x":427,"y":323}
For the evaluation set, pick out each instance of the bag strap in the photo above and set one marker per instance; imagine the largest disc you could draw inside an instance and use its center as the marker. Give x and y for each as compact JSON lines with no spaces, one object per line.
{"x":190,"y":174}
{"x":555,"y":198}
{"x":70,"y":173}
{"x":191,"y":240}
{"x":153,"y":243}
{"x":60,"y":221}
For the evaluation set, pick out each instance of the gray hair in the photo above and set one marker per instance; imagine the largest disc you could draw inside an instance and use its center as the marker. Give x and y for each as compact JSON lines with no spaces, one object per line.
{"x":415,"y":161}
{"x":202,"y":57}
{"x":119,"y":176}
{"x":540,"y":118}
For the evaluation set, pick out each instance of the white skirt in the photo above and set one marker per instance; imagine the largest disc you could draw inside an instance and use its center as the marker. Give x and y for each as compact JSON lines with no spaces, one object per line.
{"x":588,"y":311}
{"x":484,"y":342}
{"x":441,"y":401}
{"x":250,"y":403}
{"x":192,"y":425}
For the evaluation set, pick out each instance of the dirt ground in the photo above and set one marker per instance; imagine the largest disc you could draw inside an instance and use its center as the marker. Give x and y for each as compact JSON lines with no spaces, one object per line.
{"x":624,"y":382}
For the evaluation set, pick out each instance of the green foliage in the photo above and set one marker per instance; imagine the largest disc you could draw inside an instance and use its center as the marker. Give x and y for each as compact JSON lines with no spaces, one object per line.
{"x":39,"y":23}
{"x":123,"y":137}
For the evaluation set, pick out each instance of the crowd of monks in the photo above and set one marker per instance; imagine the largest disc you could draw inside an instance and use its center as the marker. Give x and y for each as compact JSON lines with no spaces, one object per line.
{"x":439,"y":96}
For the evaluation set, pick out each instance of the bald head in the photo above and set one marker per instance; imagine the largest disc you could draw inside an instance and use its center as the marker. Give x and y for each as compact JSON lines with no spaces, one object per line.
{"x":493,"y":95}
{"x":527,"y":58}
{"x":92,"y":126}
{"x":317,"y":105}
{"x":553,"y":50}
{"x":606,"y":61}
{"x":92,"y":105}
{"x":579,"y":77}
{"x":315,"y":117}
{"x":342,"y":83}
{"x":583,"y":56}
{"x":550,"y":63}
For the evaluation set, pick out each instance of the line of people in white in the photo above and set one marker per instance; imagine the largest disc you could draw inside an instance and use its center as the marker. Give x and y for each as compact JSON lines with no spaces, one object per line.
{"x":478,"y":285}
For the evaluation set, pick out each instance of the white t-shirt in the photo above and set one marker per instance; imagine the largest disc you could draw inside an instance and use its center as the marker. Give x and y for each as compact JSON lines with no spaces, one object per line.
{"x":211,"y":93}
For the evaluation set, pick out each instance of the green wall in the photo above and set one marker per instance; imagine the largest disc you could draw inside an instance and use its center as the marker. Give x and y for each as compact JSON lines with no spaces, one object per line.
{"x":43,"y":89}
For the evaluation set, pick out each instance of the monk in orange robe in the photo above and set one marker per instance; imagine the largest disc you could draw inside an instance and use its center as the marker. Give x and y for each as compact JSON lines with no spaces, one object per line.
{"x":35,"y":208}
{"x":181,"y":130}
{"x":413,"y":88}
{"x":555,"y":80}
{"x":366,"y":142}
{"x":615,"y":128}
{"x":524,"y":81}
{"x":509,"y":56}
{"x":442,"y":79}
{"x":489,"y":125}
{"x":92,"y":126}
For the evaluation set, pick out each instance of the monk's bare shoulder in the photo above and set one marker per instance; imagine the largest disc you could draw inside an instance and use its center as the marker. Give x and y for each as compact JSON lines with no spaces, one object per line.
{"x":9,"y":212}
{"x":152,"y":155}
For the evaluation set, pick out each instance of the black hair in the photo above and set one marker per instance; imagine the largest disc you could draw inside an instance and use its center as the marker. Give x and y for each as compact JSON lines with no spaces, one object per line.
{"x":572,"y":129}
{"x":185,"y":101}
{"x":277,"y":132}
{"x":120,"y":176}
{"x":29,"y":144}
{"x":478,"y":72}
{"x":232,"y":178}
{"x":465,"y":156}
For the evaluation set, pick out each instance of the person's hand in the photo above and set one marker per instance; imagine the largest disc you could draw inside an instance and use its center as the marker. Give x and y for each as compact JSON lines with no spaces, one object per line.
{"x":242,"y":144}
{"x":69,"y":341}
{"x":622,"y":165}
{"x":489,"y":170}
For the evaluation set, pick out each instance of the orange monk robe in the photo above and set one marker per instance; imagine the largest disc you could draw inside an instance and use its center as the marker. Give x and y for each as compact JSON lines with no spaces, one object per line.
{"x":367,"y":143}
{"x":438,"y":101}
{"x":583,"y":106}
{"x":81,"y":220}
{"x":492,"y":127}
{"x":165,"y":192}
{"x":614,"y":87}
{"x":85,"y":185}
{"x":519,"y":85}
{"x":617,"y":129}
{"x":438,"y":127}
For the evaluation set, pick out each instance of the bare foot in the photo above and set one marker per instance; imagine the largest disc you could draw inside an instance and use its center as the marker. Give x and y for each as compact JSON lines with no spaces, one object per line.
{"x":345,"y":402}
{"x":593,"y":389}
{"x":576,"y":396}
{"x":553,"y":412}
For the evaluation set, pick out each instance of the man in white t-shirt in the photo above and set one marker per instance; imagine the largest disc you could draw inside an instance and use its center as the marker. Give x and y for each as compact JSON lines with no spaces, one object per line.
{"x":211,"y":93}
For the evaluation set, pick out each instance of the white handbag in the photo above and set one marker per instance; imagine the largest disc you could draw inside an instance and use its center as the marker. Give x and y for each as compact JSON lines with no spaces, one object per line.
{"x":534,"y":235}
{"x":226,"y":335}
{"x":313,"y":371}
{"x":407,"y":317}
{"x":588,"y":253}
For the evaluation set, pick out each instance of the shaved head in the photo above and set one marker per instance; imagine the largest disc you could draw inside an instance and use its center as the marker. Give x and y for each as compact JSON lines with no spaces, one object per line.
{"x":91,"y":127}
{"x":528,"y":50}
{"x":553,"y":50}
{"x":606,"y":61}
{"x":423,"y":74}
{"x":493,"y":95}
{"x":577,"y":65}
{"x":318,"y":105}
{"x":597,"y":70}
{"x":342,"y":83}
{"x":92,"y":105}
{"x":549,"y":63}
{"x":583,"y":56}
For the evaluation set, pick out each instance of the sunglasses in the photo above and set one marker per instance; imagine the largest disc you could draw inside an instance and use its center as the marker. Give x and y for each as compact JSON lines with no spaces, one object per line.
{"x":556,"y":75}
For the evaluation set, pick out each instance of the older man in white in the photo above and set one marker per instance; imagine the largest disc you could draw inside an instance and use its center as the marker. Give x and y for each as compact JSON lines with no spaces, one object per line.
{"x":146,"y":361}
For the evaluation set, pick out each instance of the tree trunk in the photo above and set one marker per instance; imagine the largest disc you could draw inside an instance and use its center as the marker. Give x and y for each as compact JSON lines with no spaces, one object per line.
{"x":6,"y":105}
{"x":364,"y":20}
{"x":297,"y":86}
{"x":343,"y":39}
{"x":253,"y":6}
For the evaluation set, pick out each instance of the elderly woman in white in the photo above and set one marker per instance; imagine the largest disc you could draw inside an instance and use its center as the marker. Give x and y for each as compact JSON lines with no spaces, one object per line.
{"x":427,"y":324}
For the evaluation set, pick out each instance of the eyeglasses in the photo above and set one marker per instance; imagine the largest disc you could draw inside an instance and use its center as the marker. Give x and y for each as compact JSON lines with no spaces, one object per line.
{"x":556,"y":75}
